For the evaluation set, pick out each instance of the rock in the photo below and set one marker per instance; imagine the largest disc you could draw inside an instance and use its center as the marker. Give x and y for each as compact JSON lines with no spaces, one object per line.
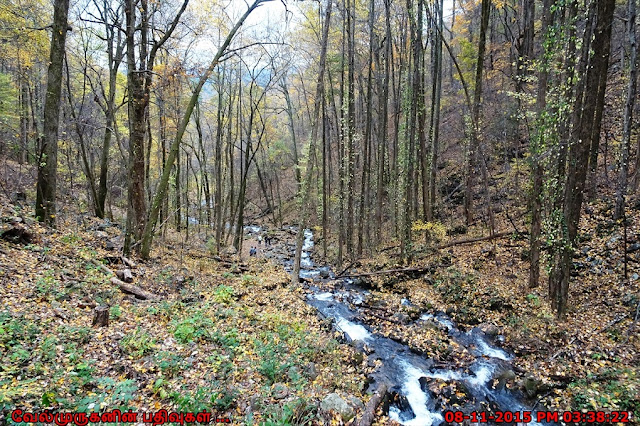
{"x":17,"y":234}
{"x":310,"y":371}
{"x":280,"y":391}
{"x":359,"y":281}
{"x":355,"y":402}
{"x":229,"y":251}
{"x":334,"y":403}
{"x":531,"y":386}
{"x":490,"y":329}
{"x":401,"y":317}
{"x":125,"y":275}
{"x":402,"y":403}
{"x":101,"y":235}
{"x":504,"y":377}
{"x":104,"y":225}
{"x":324,"y":272}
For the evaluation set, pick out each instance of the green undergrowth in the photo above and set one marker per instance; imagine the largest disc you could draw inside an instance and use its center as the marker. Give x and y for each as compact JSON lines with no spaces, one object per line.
{"x":222,"y":342}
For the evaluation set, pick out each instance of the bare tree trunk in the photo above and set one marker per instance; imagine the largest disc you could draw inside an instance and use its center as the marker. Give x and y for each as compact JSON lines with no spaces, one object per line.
{"x":537,"y":148}
{"x":351,"y":118}
{"x":435,"y":114}
{"x":296,"y":165}
{"x":580,"y":148}
{"x":623,"y":175}
{"x":474,"y":143}
{"x":48,"y":157}
{"x":218,"y":164}
{"x":382,"y":139}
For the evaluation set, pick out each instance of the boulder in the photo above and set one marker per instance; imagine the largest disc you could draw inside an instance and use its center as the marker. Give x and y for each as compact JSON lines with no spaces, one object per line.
{"x":334,"y":403}
{"x":324,"y":272}
{"x":280,"y":391}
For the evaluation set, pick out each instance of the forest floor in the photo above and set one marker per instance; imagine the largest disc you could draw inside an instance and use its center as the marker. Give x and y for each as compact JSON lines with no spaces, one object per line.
{"x":223,"y":335}
{"x":232,"y":336}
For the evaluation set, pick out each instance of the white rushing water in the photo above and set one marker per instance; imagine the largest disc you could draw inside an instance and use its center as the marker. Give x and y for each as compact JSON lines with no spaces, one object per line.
{"x":416,"y":398}
{"x":482,"y":374}
{"x":485,"y":349}
{"x":326,"y":296}
{"x":407,"y":372}
{"x":444,"y":375}
{"x":353,"y":330}
{"x":305,"y":258}
{"x":444,"y":321}
{"x":252,"y":229}
{"x":308,"y":240}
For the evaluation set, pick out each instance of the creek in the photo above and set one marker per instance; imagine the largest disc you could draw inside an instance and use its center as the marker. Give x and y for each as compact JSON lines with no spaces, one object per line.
{"x":412,"y":377}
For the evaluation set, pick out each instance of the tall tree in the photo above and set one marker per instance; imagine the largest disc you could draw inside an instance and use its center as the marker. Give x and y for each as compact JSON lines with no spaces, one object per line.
{"x":48,"y":157}
{"x":474,"y":154}
{"x":621,"y":190}
{"x":537,"y":144}
{"x":139,"y":79}
{"x":582,"y":137}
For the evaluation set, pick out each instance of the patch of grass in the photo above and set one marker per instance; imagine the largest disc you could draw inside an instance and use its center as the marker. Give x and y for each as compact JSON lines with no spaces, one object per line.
{"x":195,"y":327}
{"x":250,"y":280}
{"x":80,"y":335}
{"x":221,"y":364}
{"x":615,"y":389}
{"x":115,"y":312}
{"x":14,"y":331}
{"x":223,"y":294}
{"x":47,"y":285}
{"x":204,"y":397}
{"x":164,"y":310}
{"x":274,"y":358}
{"x":534,"y":299}
{"x":138,"y":343}
{"x":228,"y":341}
{"x":296,"y":413}
{"x":70,"y":238}
{"x":169,"y":363}
{"x":111,"y":393}
{"x":48,"y":348}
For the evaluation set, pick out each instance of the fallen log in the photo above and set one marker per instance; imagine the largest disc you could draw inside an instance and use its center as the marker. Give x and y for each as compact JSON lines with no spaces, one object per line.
{"x":128,"y":262}
{"x":345,"y":270}
{"x":475,"y":240}
{"x":369,"y":414}
{"x":132,"y":289}
{"x":101,"y":266}
{"x":125,"y":275}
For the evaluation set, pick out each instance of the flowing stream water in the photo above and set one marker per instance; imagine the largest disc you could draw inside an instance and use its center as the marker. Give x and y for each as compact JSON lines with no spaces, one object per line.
{"x":406,"y":373}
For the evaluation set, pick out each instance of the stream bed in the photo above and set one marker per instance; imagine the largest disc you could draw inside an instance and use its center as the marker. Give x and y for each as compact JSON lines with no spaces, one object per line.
{"x":413,"y":379}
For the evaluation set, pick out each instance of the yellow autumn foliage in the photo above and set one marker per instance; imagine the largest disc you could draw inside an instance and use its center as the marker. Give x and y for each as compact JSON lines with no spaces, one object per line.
{"x":436,"y":231}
